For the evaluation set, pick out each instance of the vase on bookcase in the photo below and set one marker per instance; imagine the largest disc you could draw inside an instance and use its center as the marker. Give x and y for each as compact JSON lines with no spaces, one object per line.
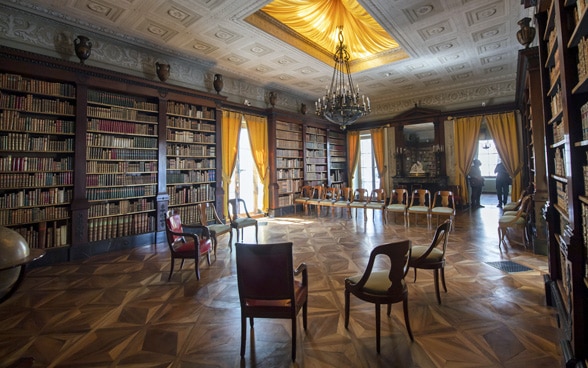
{"x":526,"y":34}
{"x":162,"y":70}
{"x":218,"y":83}
{"x":83,"y":48}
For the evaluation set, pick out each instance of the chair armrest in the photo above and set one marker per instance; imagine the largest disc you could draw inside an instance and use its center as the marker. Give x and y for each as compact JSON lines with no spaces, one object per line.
{"x":204,"y":229}
{"x":302,"y":269}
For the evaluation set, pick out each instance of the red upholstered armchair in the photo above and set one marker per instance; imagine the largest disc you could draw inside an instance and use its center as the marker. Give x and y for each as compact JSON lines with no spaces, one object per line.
{"x":186,"y":244}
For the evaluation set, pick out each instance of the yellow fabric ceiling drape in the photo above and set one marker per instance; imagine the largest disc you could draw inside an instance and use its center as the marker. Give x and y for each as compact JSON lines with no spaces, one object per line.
{"x":466,"y":131}
{"x":379,"y":154}
{"x":352,"y":154}
{"x":317,"y":20}
{"x":230,"y":130}
{"x":258,"y":138}
{"x":503,"y":129}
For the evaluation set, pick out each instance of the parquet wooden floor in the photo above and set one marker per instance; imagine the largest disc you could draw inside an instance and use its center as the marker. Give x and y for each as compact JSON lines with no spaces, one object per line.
{"x":119,"y":310}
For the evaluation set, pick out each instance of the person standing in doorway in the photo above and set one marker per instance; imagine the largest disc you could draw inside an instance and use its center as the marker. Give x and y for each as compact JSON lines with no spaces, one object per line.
{"x":503,"y":182}
{"x":477,"y":183}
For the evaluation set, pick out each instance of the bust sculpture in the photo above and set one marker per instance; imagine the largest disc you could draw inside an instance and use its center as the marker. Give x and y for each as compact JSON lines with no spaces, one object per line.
{"x":417,"y":168}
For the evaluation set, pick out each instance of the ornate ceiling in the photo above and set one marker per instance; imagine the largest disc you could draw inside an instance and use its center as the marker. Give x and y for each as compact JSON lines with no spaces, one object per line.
{"x":452,"y":54}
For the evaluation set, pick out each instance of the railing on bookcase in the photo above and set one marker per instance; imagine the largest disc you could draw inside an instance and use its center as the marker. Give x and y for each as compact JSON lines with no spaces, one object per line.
{"x":190,"y":158}
{"x":121,"y":165}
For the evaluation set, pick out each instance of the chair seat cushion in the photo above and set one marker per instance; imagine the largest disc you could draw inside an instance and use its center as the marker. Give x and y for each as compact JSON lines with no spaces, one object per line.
{"x":442,"y":211}
{"x":419,"y":209}
{"x":300,"y":295}
{"x":187,"y":248}
{"x":396,"y":207}
{"x":378,"y":283}
{"x":512,"y":206}
{"x":219,"y":229}
{"x":341,"y":203}
{"x":375,"y":206}
{"x":512,"y":220}
{"x":436,"y":255}
{"x":357,"y":204}
{"x":245,"y":221}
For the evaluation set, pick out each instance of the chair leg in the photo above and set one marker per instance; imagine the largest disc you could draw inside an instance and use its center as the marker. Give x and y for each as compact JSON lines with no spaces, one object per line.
{"x":378,"y":328}
{"x":406,"y":320}
{"x":304,"y":314}
{"x":256,"y":233}
{"x":243,"y":334}
{"x":347,"y":308}
{"x":294,"y":339}
{"x":231,"y":241}
{"x":443,"y":278}
{"x":171,"y":270}
{"x":415,"y":274}
{"x":436,"y":280}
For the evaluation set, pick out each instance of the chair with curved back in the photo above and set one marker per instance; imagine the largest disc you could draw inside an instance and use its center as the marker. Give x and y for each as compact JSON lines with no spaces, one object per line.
{"x":318,"y":194}
{"x":443,"y":205}
{"x":330,"y":197}
{"x":207,"y":212}
{"x":238,"y":222}
{"x":305,"y":195}
{"x":432,"y":256}
{"x":343,"y":200}
{"x":398,"y":203}
{"x":382,"y":286}
{"x":186,"y":244}
{"x":268,"y":288}
{"x":358,"y":200}
{"x":420,"y":204}
{"x":376,"y":201}
{"x":518,"y":220}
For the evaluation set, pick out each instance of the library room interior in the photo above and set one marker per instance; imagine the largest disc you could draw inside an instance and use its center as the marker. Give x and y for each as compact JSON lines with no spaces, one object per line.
{"x":233,"y":183}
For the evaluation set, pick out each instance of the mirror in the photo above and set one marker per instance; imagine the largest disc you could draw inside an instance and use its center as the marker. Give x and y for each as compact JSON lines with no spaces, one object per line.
{"x":420,"y":157}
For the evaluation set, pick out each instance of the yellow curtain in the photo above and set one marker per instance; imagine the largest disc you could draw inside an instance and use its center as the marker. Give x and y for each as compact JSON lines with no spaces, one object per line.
{"x":379,"y":154}
{"x":466,"y":131}
{"x":352,"y":154}
{"x":230,"y":128}
{"x":503,"y":129}
{"x":257,"y":128}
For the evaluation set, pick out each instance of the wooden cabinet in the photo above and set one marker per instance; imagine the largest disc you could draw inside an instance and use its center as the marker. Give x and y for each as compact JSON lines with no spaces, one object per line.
{"x":563,"y":27}
{"x":190,"y":158}
{"x":121,"y":165}
{"x":37,"y":127}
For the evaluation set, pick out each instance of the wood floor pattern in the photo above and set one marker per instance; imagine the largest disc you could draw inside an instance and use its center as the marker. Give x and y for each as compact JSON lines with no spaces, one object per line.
{"x":119,"y":310}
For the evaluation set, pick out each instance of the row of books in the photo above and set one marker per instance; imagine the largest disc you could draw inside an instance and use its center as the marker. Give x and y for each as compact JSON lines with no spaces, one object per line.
{"x":121,"y":167}
{"x":95,"y":194}
{"x":317,"y":160}
{"x":179,"y":108}
{"x":555,"y":103}
{"x":293,"y":127}
{"x":286,"y":200}
{"x":559,"y":161}
{"x":313,"y":130}
{"x":289,"y":186}
{"x":28,"y":142}
{"x":190,"y":164}
{"x":190,"y":195}
{"x":185,"y":123}
{"x":123,"y":207}
{"x":45,"y":235}
{"x":94,"y":180}
{"x":583,"y":59}
{"x":316,"y":175}
{"x":190,"y":137}
{"x":584,"y":112}
{"x":38,"y":105}
{"x":109,"y":98}
{"x":14,"y":163}
{"x":17,"y":121}
{"x":562,"y":196}
{"x":290,"y":174}
{"x":38,"y":179}
{"x":312,"y":155}
{"x":288,"y":153}
{"x":123,"y":127}
{"x":288,"y":163}
{"x":191,"y":177}
{"x":106,"y":140}
{"x":118,"y":226}
{"x":290,"y":136}
{"x":121,"y":114}
{"x":19,"y":83}
{"x":99,"y":153}
{"x":18,"y":216}
{"x":190,"y":150}
{"x":297,"y":145}
{"x":36,"y":197}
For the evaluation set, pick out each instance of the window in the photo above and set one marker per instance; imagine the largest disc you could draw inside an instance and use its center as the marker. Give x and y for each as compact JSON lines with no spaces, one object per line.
{"x":368,"y":173}
{"x":488,"y":155}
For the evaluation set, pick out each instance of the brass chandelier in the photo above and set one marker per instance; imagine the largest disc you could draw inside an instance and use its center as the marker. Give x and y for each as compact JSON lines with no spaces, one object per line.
{"x":341,"y":103}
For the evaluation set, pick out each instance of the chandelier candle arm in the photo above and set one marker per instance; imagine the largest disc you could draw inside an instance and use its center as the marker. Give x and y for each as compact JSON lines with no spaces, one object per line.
{"x":341,"y":103}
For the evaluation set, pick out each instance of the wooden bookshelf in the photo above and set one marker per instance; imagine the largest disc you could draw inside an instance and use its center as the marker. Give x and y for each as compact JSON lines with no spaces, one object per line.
{"x":121,"y":164}
{"x":337,"y":154}
{"x":289,"y":162}
{"x":37,"y":128}
{"x":315,"y":160}
{"x":190,"y":158}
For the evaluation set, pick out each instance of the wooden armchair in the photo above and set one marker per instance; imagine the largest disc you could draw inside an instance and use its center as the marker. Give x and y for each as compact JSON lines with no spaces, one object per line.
{"x":516,"y":221}
{"x":267,"y":287}
{"x":420,"y":204}
{"x":207,"y":212}
{"x":376,"y":201}
{"x":398,"y":203}
{"x":186,"y":244}
{"x":443,"y":205}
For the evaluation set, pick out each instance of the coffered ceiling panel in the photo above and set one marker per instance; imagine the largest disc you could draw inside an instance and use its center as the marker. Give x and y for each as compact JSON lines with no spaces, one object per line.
{"x":453,"y":53}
